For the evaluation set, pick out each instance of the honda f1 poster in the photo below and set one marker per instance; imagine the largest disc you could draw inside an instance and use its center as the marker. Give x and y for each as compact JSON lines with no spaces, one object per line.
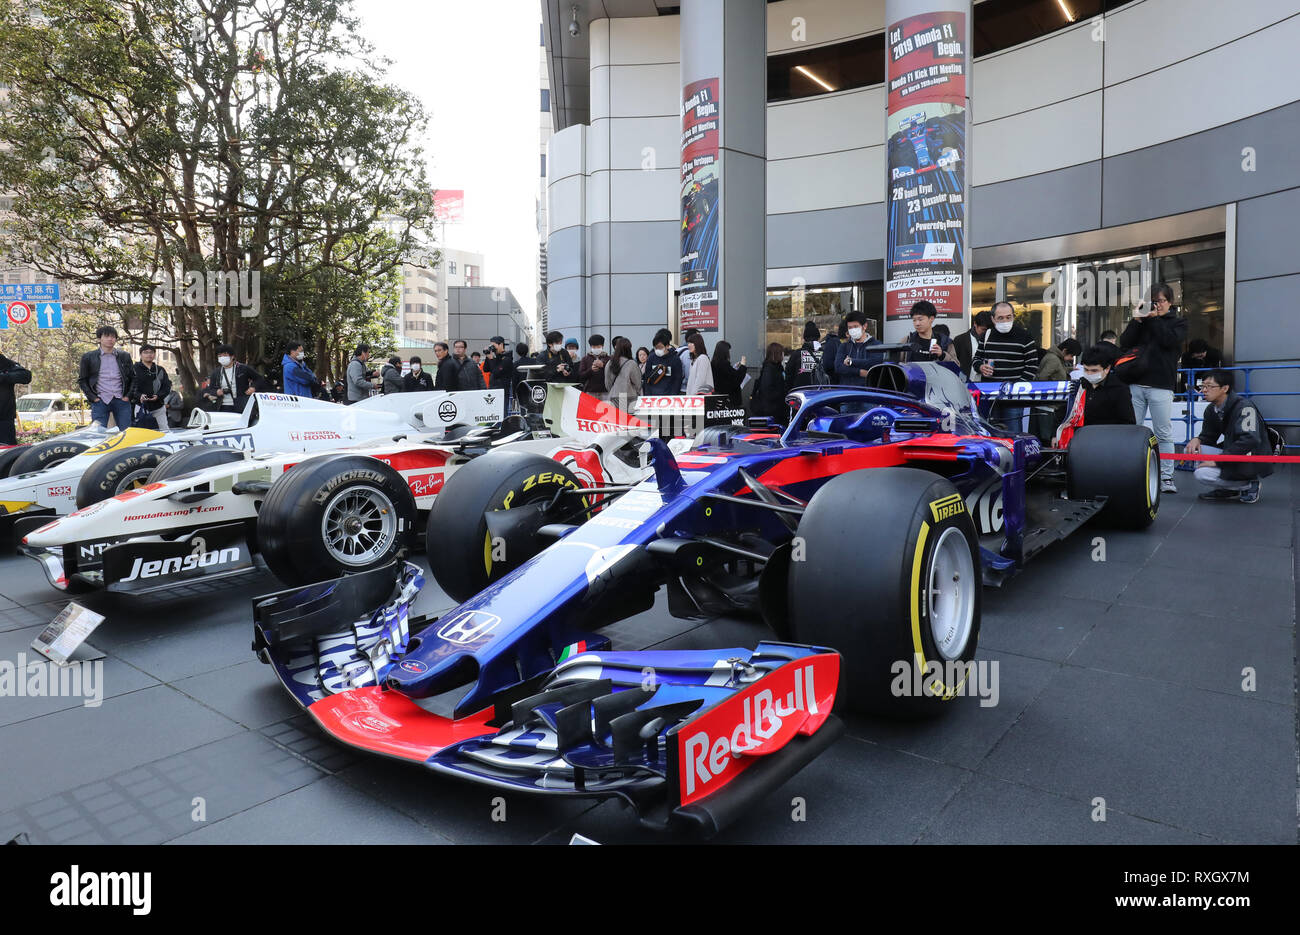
{"x":928,"y":62}
{"x":699,"y":285}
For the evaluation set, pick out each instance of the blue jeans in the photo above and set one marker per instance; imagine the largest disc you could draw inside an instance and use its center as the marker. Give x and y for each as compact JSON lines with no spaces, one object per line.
{"x":1161,"y":405}
{"x":119,"y":408}
{"x":1009,"y":418}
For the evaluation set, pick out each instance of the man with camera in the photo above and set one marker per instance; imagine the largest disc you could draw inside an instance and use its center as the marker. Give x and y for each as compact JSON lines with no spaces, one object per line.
{"x":1154,"y":337}
{"x":500,"y":365}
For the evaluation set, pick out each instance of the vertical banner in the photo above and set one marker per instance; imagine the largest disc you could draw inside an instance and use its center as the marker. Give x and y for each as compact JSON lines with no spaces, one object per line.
{"x":700,"y":222}
{"x":925,"y":252}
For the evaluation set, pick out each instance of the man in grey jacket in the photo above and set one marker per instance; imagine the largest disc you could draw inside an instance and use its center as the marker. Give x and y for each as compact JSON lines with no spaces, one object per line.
{"x":392,"y":374}
{"x":359,"y":387}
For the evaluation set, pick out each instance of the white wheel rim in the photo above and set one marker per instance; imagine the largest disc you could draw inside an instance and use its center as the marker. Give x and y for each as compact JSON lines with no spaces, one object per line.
{"x":951,"y":594}
{"x":359,"y":525}
{"x":1153,"y":478}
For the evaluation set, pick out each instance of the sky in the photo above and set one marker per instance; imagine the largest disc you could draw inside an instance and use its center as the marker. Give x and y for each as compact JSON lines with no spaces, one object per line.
{"x":474,"y":65}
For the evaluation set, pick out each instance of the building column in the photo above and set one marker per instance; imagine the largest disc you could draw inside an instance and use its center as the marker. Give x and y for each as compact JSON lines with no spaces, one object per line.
{"x":724,"y":172}
{"x":927,"y":186}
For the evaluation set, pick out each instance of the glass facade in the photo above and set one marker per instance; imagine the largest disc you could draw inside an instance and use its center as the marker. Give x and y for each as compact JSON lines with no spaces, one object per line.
{"x":825,"y":305}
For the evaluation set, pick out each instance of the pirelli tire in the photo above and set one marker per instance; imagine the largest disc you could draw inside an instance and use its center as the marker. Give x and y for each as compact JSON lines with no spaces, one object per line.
{"x":457,"y":543}
{"x":193,"y":458}
{"x":8,"y":456}
{"x":334,"y":515}
{"x":888,"y":573}
{"x":1120,"y":463}
{"x":117,"y":472}
{"x":45,"y":454}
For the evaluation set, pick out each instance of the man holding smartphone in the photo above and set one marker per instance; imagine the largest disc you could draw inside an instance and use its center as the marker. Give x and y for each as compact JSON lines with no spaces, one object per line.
{"x":1157,"y":334}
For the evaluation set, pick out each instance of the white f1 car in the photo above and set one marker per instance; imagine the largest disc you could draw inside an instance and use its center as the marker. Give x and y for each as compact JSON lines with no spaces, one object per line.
{"x":209,"y":512}
{"x":82,"y":468}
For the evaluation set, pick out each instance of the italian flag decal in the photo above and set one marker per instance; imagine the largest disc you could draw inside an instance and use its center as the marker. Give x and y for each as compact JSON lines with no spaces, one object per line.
{"x":573,"y":649}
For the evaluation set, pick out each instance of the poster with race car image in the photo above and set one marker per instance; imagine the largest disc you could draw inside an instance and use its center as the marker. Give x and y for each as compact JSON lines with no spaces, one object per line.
{"x":699,"y":160}
{"x":928,"y":63}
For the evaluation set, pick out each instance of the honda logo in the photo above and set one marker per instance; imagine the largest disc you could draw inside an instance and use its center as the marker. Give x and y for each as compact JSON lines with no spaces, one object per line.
{"x":468,"y":627}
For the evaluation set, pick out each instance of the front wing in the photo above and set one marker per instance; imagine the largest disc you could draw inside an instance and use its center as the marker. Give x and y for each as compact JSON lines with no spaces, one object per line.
{"x":690,"y":738}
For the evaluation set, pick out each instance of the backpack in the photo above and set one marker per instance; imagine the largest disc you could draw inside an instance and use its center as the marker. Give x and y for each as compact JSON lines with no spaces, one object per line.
{"x":811,"y":367}
{"x":1131,"y":366}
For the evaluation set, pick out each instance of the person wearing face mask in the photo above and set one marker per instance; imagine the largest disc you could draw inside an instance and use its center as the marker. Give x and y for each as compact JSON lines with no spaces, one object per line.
{"x":1102,"y":398}
{"x":1009,"y":354}
{"x":854,"y":357}
{"x":298,"y":377}
{"x":417,"y":381}
{"x":558,"y":366}
{"x":663,"y":371}
{"x":1243,"y":432}
{"x":591,"y":369}
{"x":232,"y":383}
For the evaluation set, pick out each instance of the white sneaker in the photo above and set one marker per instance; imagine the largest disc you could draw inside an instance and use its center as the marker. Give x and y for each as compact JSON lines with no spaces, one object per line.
{"x":1167,"y":486}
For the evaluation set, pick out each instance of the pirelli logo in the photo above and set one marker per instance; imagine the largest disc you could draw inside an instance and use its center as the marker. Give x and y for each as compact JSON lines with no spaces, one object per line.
{"x":947,"y":506}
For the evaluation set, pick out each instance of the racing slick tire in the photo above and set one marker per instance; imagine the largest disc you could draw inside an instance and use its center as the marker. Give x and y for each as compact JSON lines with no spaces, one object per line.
{"x":118,"y":472}
{"x":193,"y":458}
{"x":334,"y":515}
{"x":45,"y":454}
{"x":8,"y":456}
{"x":457,"y":543}
{"x":900,"y":603}
{"x":1121,"y":463}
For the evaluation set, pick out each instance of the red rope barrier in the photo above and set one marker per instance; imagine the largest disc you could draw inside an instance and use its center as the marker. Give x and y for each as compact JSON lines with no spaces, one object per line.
{"x":1272,"y":459}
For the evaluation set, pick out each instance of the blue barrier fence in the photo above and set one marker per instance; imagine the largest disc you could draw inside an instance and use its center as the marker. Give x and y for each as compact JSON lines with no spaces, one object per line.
{"x":1191,"y":397}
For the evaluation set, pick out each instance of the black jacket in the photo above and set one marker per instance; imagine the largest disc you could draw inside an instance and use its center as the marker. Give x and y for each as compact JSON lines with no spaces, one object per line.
{"x":446,"y":376}
{"x":964,"y":344}
{"x":860,"y":356}
{"x":88,"y":374}
{"x":727,"y":380}
{"x":245,"y":377}
{"x":1213,"y":358}
{"x":11,"y":375}
{"x":391,"y":379}
{"x":799,"y":368}
{"x":501,"y":368}
{"x":468,"y":376}
{"x":662,"y":376}
{"x":1160,"y":338}
{"x":552,"y":361}
{"x":1108,"y":402}
{"x":767,"y":398}
{"x":830,"y":346}
{"x":151,"y":381}
{"x":1244,"y":433}
{"x":420,"y":382}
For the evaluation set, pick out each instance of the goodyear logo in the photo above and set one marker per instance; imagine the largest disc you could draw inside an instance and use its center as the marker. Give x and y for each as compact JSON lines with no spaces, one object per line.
{"x":947,"y":506}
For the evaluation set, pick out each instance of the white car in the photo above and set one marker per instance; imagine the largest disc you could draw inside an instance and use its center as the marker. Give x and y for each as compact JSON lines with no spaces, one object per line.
{"x":46,"y":410}
{"x":211,"y":512}
{"x":75,"y":470}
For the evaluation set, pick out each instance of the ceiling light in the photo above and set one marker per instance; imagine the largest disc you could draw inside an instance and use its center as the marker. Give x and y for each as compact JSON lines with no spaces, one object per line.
{"x":807,"y":74}
{"x":1066,"y":10}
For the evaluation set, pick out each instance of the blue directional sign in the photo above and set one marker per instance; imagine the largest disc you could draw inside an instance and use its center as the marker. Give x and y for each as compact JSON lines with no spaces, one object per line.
{"x":31,"y":292}
{"x":49,"y":315}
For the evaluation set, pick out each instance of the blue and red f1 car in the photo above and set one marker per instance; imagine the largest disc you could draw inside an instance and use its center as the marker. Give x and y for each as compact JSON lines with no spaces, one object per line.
{"x":868,"y":525}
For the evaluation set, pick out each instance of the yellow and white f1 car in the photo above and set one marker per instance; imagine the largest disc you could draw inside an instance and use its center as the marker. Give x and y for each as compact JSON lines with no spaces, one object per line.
{"x":76,"y":470}
{"x":210,"y":511}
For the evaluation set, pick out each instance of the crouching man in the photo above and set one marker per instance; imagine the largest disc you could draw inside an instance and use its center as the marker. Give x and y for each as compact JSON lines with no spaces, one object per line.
{"x":1238,"y":422}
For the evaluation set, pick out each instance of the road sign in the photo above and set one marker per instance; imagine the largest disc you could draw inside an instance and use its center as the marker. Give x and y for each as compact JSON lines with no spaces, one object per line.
{"x":31,"y":292}
{"x":49,"y":315}
{"x":20,"y":313}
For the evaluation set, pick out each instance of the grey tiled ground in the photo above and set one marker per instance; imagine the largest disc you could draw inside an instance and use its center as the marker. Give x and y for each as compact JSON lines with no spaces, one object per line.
{"x":1121,"y":682}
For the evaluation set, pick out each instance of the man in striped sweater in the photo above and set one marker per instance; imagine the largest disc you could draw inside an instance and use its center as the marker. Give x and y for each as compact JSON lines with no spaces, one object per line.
{"x":1009,"y":354}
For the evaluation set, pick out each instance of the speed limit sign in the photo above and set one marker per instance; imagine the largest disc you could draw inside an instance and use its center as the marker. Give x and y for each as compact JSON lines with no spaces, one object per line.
{"x":20,"y":313}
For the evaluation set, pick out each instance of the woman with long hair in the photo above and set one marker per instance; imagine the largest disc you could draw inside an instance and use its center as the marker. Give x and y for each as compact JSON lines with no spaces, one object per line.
{"x":726,"y":378}
{"x":700,"y":381}
{"x":768,"y":396}
{"x":622,"y":375}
